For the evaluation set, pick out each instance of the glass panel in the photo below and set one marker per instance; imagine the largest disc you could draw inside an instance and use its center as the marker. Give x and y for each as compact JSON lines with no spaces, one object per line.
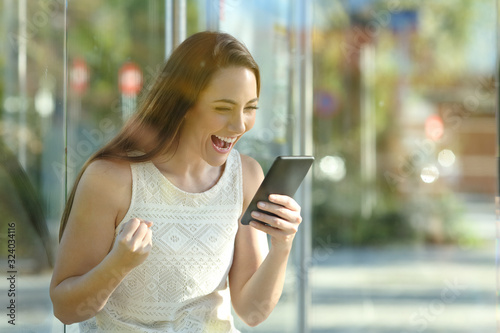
{"x":264,"y":27}
{"x":405,"y":140}
{"x":31,"y":154}
{"x":114,"y":50}
{"x":101,"y":47}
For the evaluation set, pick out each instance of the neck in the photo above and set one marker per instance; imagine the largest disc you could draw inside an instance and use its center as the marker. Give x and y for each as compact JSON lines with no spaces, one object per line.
{"x":189,"y":173}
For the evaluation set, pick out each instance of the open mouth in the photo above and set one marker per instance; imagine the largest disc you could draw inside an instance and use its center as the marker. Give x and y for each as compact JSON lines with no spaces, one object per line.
{"x":222,"y":144}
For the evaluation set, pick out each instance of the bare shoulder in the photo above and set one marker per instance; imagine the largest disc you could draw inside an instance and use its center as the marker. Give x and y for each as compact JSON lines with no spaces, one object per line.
{"x":110,"y":181}
{"x":252,"y":177}
{"x":251,"y":168}
{"x":108,"y":170}
{"x":107,"y":176}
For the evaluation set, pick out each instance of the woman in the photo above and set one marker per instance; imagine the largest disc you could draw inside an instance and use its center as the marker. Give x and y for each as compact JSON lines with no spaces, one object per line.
{"x":150,"y":235}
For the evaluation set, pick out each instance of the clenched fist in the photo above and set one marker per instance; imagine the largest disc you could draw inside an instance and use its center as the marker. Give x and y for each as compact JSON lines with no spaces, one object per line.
{"x":133,"y":242}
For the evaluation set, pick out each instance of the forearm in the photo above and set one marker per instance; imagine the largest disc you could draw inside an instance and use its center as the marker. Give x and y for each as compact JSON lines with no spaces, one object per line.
{"x":79,"y":298}
{"x":258,"y":297}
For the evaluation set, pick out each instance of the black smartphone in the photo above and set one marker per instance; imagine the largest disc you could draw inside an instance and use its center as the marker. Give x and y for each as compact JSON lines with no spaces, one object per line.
{"x":284,"y":177}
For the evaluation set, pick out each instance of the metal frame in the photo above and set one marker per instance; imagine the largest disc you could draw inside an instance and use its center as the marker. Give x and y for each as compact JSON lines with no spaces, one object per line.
{"x":302,"y":108}
{"x":175,"y":24}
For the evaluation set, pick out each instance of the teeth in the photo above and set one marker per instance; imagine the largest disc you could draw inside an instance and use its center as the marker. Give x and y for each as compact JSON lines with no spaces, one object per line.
{"x":228,"y":140}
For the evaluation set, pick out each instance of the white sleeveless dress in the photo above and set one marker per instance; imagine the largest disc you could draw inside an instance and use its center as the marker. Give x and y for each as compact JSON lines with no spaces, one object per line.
{"x":182,"y":285}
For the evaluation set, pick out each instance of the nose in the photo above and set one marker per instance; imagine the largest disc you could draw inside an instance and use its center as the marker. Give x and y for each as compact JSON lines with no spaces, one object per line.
{"x":237,"y":123}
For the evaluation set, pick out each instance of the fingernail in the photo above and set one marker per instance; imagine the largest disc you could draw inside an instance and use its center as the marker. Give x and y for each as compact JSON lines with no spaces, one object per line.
{"x":256,"y":214}
{"x":261,"y":204}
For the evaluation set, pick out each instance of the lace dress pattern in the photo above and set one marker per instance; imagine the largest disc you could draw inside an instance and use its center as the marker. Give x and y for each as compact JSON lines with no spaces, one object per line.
{"x":182,"y":285}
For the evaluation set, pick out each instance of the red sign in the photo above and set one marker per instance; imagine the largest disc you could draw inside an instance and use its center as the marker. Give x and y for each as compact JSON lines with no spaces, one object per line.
{"x":130,"y":79}
{"x":434,"y":127}
{"x":79,"y":75}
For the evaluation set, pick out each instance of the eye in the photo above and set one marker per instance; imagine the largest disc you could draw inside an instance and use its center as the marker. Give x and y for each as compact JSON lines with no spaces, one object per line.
{"x":252,"y":107}
{"x":222,"y":109}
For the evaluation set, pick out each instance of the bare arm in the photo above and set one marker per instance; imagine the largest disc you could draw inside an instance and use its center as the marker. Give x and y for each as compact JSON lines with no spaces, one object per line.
{"x":256,"y":280}
{"x":89,"y":266}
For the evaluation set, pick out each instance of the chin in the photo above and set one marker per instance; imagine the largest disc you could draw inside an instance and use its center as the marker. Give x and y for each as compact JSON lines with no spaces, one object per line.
{"x":217,"y":159}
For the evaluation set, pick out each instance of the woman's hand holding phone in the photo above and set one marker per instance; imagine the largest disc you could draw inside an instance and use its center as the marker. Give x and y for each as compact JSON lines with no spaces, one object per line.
{"x":272,"y":209}
{"x":283,"y":225}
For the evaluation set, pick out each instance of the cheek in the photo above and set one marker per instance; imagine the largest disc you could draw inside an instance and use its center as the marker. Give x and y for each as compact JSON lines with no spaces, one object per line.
{"x":249,"y":122}
{"x":210,"y":122}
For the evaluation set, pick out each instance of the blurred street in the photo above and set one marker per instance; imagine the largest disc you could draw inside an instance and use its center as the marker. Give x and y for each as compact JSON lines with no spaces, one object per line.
{"x":442,"y":289}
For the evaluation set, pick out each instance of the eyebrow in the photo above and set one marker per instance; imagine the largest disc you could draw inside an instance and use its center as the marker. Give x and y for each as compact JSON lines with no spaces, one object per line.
{"x":230,"y":101}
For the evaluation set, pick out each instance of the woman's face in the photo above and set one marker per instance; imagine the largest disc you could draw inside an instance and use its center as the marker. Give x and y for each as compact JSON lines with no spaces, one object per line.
{"x":225,"y":110}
